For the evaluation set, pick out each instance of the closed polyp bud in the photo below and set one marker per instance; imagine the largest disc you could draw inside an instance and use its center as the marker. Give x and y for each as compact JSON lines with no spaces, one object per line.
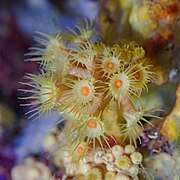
{"x":136,"y":158}
{"x":110,"y":175}
{"x":117,"y":151}
{"x":123,"y":162}
{"x":129,"y":149}
{"x":109,"y":157}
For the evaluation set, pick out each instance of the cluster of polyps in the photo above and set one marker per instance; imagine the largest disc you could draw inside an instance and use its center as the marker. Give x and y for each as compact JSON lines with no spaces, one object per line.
{"x":115,"y":163}
{"x":93,"y":86}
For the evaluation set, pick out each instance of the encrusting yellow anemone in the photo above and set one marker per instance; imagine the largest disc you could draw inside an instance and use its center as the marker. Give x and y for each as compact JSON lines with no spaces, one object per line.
{"x":80,"y":79}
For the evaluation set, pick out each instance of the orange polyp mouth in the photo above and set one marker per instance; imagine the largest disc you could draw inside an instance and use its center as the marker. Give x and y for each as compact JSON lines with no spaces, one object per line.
{"x":80,"y":150}
{"x":137,"y":75}
{"x":118,"y":83}
{"x":92,"y":124}
{"x":85,"y":90}
{"x":110,"y":65}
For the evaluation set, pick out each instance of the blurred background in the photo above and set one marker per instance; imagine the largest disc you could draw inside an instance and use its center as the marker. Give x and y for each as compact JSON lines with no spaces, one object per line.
{"x":22,"y":139}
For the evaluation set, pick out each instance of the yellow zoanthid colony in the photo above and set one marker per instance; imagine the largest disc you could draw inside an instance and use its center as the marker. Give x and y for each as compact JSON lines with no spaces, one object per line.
{"x":96,"y":89}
